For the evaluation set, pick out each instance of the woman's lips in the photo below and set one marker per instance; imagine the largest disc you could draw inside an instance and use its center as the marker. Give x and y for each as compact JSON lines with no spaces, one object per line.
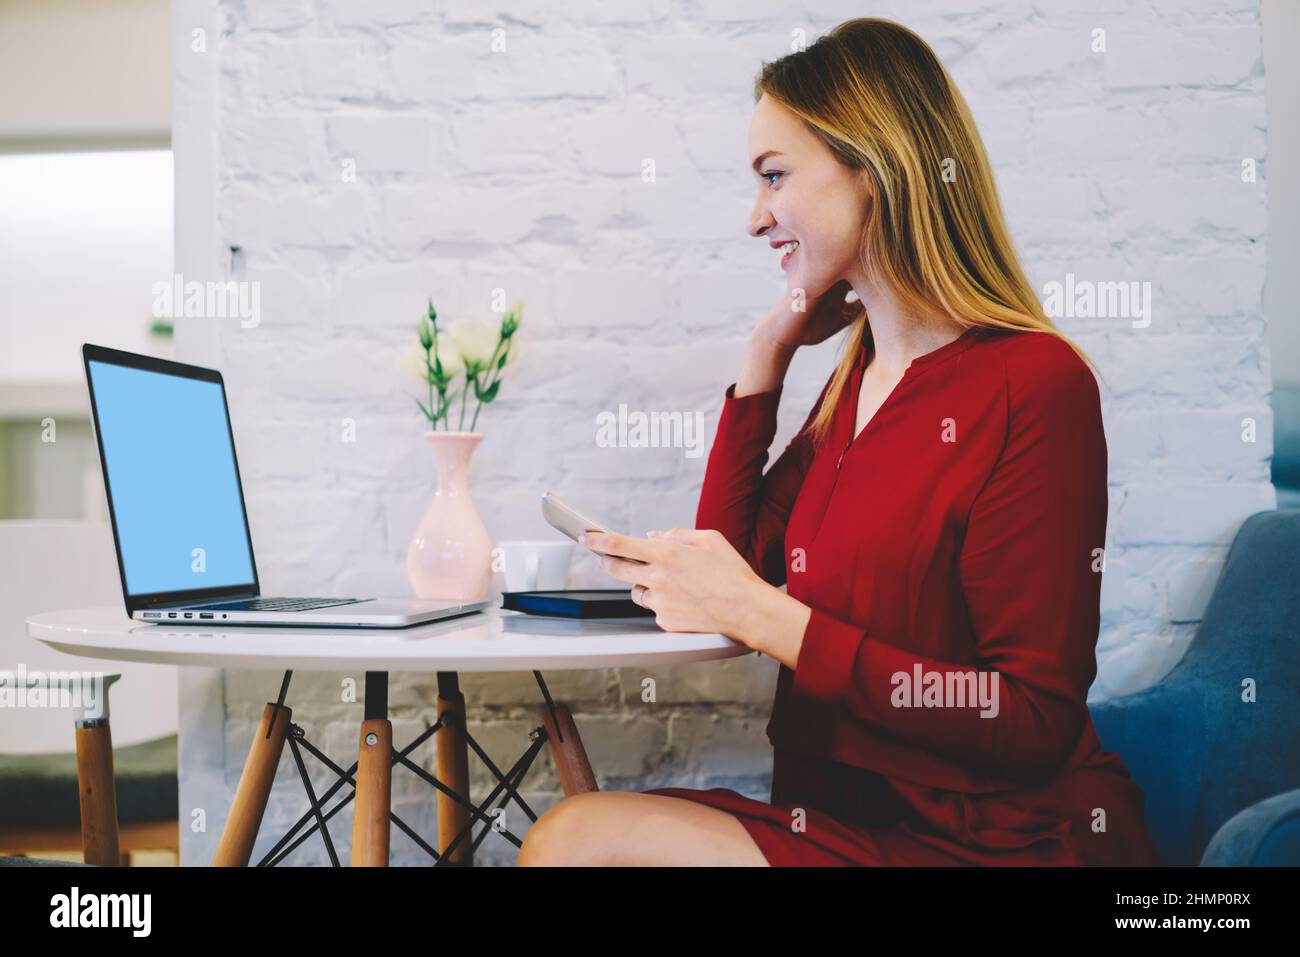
{"x":785,"y":260}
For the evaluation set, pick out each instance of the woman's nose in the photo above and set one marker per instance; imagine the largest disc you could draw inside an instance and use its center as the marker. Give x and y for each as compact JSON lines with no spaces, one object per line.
{"x":760,"y":221}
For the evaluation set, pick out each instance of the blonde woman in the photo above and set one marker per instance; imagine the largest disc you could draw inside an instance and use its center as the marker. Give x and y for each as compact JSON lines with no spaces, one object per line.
{"x":938,"y":523}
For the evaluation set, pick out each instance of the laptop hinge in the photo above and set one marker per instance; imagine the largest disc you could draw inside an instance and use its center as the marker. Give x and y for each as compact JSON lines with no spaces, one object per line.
{"x":166,"y":605}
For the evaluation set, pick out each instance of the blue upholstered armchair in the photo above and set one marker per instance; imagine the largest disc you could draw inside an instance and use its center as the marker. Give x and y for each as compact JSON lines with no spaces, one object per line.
{"x":1222,"y":776}
{"x":1286,"y":443}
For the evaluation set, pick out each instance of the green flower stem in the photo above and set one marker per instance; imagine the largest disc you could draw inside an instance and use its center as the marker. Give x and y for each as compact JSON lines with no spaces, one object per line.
{"x":464,"y":400}
{"x":493,"y":375}
{"x":428,"y":375}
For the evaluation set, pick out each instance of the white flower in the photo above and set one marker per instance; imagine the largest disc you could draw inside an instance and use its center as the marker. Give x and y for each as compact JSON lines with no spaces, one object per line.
{"x":413,"y":360}
{"x":450,"y":358}
{"x":476,"y":341}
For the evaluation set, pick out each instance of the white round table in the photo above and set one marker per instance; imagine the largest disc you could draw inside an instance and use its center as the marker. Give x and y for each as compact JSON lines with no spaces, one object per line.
{"x":490,"y":640}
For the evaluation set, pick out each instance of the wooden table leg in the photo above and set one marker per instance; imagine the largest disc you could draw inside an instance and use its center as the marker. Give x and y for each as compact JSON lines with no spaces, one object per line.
{"x":95,"y":781}
{"x":452,"y":768}
{"x":570,"y":757}
{"x":370,"y":823}
{"x":238,"y":836}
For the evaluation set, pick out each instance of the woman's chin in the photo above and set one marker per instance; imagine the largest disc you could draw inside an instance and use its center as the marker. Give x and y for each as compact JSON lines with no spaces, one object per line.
{"x":812,"y":287}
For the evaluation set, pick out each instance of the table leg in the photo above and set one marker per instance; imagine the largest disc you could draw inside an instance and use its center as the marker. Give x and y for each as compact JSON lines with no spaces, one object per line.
{"x":99,"y":843}
{"x":372,"y":810}
{"x":452,"y":767}
{"x":237,"y":837}
{"x":370,"y":822}
{"x":570,"y":757}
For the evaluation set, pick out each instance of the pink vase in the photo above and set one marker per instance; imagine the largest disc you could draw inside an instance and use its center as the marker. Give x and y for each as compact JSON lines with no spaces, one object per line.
{"x":450,"y":555}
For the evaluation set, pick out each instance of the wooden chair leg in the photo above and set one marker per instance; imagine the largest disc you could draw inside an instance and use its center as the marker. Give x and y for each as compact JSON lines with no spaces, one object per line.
{"x":237,"y":837}
{"x":370,"y":824}
{"x":452,"y":769}
{"x":569,"y":755}
{"x":95,"y":781}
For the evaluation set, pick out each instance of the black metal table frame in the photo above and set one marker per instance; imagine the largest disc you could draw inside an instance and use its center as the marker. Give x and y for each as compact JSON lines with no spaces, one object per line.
{"x":376,"y":707}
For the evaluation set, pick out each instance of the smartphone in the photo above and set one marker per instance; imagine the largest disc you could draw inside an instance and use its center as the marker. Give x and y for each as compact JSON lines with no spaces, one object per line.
{"x":573,"y":523}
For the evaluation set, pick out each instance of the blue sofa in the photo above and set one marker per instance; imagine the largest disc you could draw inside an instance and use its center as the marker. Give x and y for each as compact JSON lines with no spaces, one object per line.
{"x":1286,"y":443}
{"x":1221,"y":776}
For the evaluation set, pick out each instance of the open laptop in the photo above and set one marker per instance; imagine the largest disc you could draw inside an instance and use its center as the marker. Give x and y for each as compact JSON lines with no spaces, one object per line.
{"x":177,"y":505}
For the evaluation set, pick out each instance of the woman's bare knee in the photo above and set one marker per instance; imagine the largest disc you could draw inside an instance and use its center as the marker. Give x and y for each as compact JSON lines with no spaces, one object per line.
{"x":631,"y":828}
{"x":562,"y":835}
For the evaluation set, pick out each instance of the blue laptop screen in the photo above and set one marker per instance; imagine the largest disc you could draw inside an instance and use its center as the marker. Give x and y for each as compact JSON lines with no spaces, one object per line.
{"x":171,"y":474}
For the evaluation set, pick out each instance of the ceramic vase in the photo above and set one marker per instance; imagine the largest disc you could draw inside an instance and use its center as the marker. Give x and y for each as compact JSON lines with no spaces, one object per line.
{"x":450,"y":555}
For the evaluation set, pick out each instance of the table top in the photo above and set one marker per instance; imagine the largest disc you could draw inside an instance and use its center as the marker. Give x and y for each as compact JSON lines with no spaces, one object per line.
{"x":490,"y":640}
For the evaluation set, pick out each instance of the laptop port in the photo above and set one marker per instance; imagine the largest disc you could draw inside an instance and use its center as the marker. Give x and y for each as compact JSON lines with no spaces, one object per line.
{"x":189,"y":614}
{"x":171,"y":614}
{"x":205,"y":614}
{"x":152,"y":614}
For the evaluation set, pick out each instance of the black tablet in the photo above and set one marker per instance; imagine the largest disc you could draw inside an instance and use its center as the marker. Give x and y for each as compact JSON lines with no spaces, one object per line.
{"x":585,"y":603}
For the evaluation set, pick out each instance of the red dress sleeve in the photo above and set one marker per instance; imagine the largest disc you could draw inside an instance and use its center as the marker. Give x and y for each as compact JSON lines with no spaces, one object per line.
{"x":1026,"y":571}
{"x":749,"y":507}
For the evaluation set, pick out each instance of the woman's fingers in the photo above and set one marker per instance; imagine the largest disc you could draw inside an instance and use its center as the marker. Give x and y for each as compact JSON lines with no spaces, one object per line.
{"x":623,"y":570}
{"x":612,"y":543}
{"x":683,"y":536}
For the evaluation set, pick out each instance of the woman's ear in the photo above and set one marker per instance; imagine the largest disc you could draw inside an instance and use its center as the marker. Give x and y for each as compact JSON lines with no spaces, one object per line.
{"x":865,"y":190}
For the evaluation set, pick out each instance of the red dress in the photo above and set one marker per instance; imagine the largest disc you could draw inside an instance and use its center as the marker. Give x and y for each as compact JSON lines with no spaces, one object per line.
{"x":954,"y":539}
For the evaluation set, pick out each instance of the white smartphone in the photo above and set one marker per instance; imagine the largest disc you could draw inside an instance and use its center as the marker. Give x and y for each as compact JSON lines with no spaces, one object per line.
{"x":571,"y":522}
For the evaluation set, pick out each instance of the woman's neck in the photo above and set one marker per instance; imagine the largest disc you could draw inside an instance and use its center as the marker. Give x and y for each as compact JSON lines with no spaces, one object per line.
{"x":899,"y":335}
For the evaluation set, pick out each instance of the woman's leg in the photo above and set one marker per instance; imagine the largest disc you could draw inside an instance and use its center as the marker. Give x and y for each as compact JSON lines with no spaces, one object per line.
{"x":618,"y":828}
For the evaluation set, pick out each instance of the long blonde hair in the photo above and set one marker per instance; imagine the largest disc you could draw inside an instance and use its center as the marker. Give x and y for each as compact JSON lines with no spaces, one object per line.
{"x":878,"y":97}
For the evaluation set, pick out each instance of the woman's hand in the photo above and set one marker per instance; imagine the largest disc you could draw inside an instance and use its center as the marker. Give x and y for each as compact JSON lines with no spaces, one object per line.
{"x":823,"y":316}
{"x":692,"y":580}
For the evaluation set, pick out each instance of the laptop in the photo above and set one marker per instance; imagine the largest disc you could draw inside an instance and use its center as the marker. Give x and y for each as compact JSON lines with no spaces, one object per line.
{"x":177,"y":505}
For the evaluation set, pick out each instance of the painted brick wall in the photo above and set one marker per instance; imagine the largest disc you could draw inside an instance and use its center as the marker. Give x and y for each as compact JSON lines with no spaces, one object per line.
{"x":521,"y":169}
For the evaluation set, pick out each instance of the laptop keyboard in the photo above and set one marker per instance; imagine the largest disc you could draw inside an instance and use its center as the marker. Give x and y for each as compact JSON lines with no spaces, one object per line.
{"x":276,"y":604}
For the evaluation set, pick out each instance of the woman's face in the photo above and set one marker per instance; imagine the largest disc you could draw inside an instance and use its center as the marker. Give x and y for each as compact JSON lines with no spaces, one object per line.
{"x":806,"y":195}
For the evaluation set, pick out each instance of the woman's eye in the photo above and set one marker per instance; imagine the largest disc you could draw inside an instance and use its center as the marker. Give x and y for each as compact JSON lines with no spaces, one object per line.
{"x":770,"y":173}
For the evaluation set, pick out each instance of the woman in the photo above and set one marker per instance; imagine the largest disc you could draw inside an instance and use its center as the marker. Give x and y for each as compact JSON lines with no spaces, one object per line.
{"x":938,"y":523}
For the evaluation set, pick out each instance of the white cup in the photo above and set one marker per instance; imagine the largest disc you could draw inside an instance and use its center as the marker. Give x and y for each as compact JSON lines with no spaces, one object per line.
{"x":536,"y":565}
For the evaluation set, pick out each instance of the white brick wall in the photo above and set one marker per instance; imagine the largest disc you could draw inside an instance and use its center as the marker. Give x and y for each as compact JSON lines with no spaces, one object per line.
{"x":521,"y":170}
